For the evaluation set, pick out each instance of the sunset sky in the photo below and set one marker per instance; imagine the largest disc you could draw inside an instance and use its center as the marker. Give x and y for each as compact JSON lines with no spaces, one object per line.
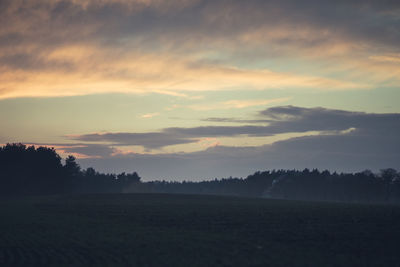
{"x":197,"y":89}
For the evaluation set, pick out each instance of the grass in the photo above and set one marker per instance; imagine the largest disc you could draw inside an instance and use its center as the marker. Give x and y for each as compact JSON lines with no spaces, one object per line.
{"x":189,"y":230}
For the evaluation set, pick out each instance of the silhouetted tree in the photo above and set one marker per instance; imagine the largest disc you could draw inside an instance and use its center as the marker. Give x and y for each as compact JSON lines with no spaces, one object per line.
{"x":27,"y":170}
{"x":71,"y":167}
{"x":30,"y":170}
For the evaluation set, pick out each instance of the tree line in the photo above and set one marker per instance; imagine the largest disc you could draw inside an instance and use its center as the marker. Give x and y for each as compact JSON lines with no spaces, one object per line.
{"x":307,"y":184}
{"x":29,"y":170}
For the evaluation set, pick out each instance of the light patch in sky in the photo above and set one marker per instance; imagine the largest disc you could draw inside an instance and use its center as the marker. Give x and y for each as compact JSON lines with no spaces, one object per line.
{"x":149,"y":115}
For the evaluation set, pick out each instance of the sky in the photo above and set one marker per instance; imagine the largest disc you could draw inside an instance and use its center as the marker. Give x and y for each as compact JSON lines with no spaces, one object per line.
{"x":203,"y":89}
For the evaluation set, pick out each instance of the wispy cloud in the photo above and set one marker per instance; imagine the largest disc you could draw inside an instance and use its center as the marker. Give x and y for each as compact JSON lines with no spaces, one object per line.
{"x":237,"y":104}
{"x":87,"y":47}
{"x":391,"y":58}
{"x":150,"y":115}
{"x":141,"y":74}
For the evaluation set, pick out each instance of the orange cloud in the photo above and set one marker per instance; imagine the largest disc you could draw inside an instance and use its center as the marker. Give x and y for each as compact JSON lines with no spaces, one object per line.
{"x":72,"y":49}
{"x":94,"y":71}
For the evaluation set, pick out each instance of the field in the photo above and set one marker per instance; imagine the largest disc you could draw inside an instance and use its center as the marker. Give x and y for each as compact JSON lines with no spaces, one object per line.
{"x":189,"y":230}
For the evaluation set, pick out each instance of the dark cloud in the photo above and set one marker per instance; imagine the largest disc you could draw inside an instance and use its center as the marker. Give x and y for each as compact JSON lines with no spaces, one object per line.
{"x":352,"y":152}
{"x":173,"y":136}
{"x":90,"y":150}
{"x":297,"y":119}
{"x":219,"y":131}
{"x":85,"y":149}
{"x":344,"y":153}
{"x":349,"y":141}
{"x":285,"y":119}
{"x":234,"y":120}
{"x":149,"y":140}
